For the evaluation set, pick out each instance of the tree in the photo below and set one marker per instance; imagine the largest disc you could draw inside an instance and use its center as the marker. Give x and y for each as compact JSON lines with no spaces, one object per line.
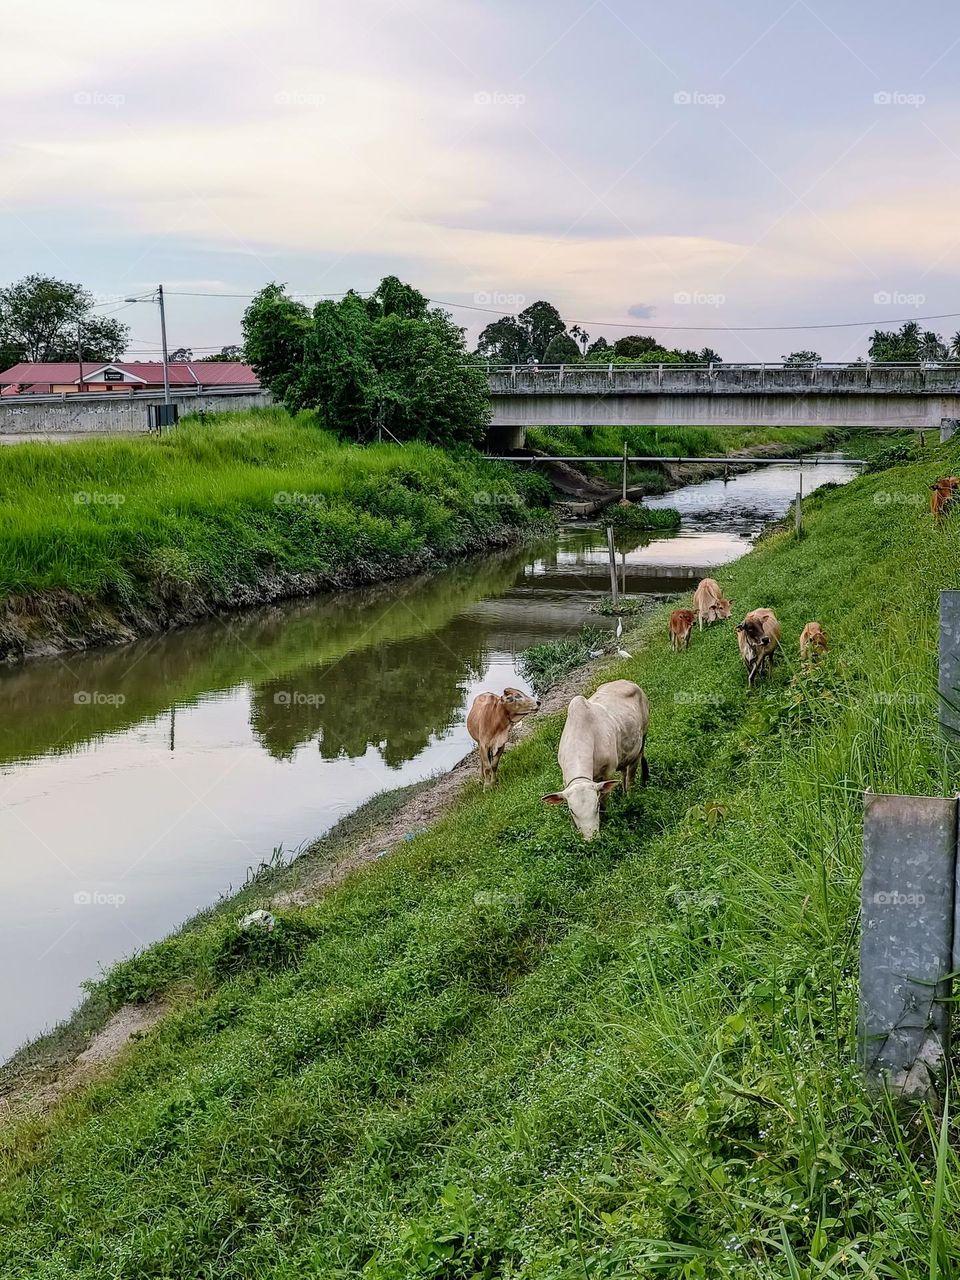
{"x":955,"y":346}
{"x":561,"y":349}
{"x":597,"y":348}
{"x":230,"y":352}
{"x":634,"y":345}
{"x":802,"y":359}
{"x":907,"y":345}
{"x":40,"y":318}
{"x":709,"y":356}
{"x":181,"y":355}
{"x":524,"y":338}
{"x":275,"y":328}
{"x":388,"y":363}
{"x":504,"y":341}
{"x":581,"y":336}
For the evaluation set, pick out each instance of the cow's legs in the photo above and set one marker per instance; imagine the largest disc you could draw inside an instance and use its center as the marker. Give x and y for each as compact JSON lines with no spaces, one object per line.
{"x":629,"y":771}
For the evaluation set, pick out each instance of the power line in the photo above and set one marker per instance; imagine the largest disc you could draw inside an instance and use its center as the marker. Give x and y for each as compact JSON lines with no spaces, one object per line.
{"x":616,"y":324}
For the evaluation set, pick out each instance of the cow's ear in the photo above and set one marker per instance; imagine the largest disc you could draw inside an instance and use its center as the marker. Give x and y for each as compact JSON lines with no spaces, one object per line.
{"x":555,"y":797}
{"x":607,"y":786}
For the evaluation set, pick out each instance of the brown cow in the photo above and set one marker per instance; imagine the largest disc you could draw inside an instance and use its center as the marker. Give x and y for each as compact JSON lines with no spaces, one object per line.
{"x":681,"y":624}
{"x":758,"y":636}
{"x":813,"y":640}
{"x":942,"y":495}
{"x":491,"y":718}
{"x":709,"y":603}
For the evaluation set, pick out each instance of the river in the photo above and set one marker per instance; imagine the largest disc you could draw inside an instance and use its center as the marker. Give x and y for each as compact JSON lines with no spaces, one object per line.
{"x":139,"y":783}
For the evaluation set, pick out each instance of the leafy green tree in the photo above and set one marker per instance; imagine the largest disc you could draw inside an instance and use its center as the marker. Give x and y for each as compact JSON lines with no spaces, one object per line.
{"x":40,"y":318}
{"x":389,"y":363}
{"x":524,"y":338}
{"x":181,"y":355}
{"x":709,"y":356}
{"x":955,"y":346}
{"x":907,"y":345}
{"x":561,"y":349}
{"x":598,"y":349}
{"x":635,"y":345}
{"x":275,"y":329}
{"x":231,"y":352}
{"x":802,"y":359}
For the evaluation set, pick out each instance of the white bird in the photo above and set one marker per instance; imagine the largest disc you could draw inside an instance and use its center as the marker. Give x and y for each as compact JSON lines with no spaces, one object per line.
{"x":622,"y":653}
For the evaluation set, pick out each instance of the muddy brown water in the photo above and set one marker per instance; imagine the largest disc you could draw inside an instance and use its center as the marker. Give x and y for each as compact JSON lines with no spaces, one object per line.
{"x":139,"y":783}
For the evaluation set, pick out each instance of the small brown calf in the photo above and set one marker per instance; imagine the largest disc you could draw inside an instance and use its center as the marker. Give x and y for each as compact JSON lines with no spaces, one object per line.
{"x":681,"y":624}
{"x":491,"y":718}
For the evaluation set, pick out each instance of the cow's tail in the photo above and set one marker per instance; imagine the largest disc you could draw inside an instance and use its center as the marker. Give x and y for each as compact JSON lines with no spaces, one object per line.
{"x":644,"y":767}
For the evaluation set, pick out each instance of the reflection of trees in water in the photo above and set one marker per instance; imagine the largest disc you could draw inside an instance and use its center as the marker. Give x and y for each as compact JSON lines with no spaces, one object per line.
{"x":394,"y":697}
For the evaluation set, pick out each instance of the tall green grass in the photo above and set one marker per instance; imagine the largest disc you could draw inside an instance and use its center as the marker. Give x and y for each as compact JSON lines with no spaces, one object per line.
{"x":503,"y":1053}
{"x":221,"y":503}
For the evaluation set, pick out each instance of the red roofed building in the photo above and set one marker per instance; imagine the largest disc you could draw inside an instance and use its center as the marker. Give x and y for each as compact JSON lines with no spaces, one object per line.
{"x":185,"y":375}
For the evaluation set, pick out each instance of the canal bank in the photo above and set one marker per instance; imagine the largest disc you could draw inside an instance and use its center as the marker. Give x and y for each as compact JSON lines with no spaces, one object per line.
{"x":182,"y":760}
{"x":500,"y":1044}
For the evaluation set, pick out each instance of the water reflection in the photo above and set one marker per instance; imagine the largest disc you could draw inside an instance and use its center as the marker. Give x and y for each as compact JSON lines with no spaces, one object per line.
{"x":137,"y":783}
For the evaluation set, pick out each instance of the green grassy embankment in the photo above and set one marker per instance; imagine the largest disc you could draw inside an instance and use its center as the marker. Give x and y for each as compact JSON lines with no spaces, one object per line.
{"x":503,"y":1053}
{"x":108,"y":538}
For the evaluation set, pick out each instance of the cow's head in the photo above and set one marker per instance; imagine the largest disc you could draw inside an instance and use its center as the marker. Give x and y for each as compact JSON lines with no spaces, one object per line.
{"x":723,"y":609}
{"x":582,"y":798}
{"x":753,"y":631}
{"x":516,"y":703}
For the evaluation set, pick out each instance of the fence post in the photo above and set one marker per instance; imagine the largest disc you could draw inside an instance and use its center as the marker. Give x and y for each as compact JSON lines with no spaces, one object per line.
{"x":624,"y":498}
{"x":949,"y":678}
{"x":906,"y":948}
{"x":611,"y":550}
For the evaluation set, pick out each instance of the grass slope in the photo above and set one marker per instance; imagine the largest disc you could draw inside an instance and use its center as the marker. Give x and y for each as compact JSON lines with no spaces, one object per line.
{"x":222,"y":503}
{"x":504,"y":1053}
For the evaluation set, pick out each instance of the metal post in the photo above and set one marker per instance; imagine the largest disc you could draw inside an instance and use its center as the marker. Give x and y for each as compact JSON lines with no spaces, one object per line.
{"x":949,"y":679}
{"x":798,"y":517}
{"x":614,"y":589}
{"x":624,"y":498}
{"x":80,"y":353}
{"x":163,"y":341}
{"x":907,"y":941}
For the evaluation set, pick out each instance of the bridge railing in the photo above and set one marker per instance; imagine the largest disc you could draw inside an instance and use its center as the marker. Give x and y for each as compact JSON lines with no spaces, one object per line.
{"x":646,"y":378}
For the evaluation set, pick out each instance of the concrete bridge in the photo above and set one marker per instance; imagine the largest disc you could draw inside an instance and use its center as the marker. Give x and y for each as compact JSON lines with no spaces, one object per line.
{"x":722,"y":395}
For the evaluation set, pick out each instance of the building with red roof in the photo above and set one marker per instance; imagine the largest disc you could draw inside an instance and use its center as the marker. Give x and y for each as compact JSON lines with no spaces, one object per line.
{"x":138,"y":376}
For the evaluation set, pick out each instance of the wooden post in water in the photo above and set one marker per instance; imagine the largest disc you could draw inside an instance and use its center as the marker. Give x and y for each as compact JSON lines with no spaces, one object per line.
{"x":614,"y":589}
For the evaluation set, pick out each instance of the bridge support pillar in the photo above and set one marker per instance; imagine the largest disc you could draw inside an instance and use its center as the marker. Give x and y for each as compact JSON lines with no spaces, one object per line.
{"x":948,"y":428}
{"x":501,"y":439}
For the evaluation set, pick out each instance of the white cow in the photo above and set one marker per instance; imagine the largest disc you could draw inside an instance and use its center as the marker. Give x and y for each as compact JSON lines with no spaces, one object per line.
{"x":603,"y":735}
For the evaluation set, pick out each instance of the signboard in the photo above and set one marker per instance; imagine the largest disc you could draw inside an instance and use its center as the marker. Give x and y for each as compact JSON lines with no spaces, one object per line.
{"x":112,"y":375}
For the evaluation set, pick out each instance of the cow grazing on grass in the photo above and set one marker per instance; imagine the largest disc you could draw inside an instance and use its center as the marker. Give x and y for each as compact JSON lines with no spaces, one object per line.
{"x":681,"y":624}
{"x":603,"y":735}
{"x":942,"y":495}
{"x":758,"y":636}
{"x":813,"y":640}
{"x":709,"y":602}
{"x":491,"y":718}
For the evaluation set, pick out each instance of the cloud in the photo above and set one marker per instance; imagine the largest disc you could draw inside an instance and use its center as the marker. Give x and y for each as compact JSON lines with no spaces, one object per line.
{"x":641,"y":310}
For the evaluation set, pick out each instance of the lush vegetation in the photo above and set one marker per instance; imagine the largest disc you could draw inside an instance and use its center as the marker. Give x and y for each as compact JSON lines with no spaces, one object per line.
{"x":44,"y":319}
{"x":545,"y":665}
{"x":502,"y":1053}
{"x":225,"y":502}
{"x":387,"y":363}
{"x":636,"y":516}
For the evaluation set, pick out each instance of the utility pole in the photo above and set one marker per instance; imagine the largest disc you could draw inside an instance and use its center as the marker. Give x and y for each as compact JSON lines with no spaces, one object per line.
{"x":80,"y":352}
{"x":163,"y":340}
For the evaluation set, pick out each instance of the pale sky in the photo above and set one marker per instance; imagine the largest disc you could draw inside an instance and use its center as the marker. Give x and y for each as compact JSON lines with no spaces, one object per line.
{"x":683,"y":164}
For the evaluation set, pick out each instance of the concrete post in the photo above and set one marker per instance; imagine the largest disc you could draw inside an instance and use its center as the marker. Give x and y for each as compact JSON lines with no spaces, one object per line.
{"x":948,"y":428}
{"x":906,"y":948}
{"x":949,"y":678}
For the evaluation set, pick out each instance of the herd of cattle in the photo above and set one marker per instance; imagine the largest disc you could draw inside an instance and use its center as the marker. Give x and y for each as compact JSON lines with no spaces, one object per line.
{"x":606,"y":734}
